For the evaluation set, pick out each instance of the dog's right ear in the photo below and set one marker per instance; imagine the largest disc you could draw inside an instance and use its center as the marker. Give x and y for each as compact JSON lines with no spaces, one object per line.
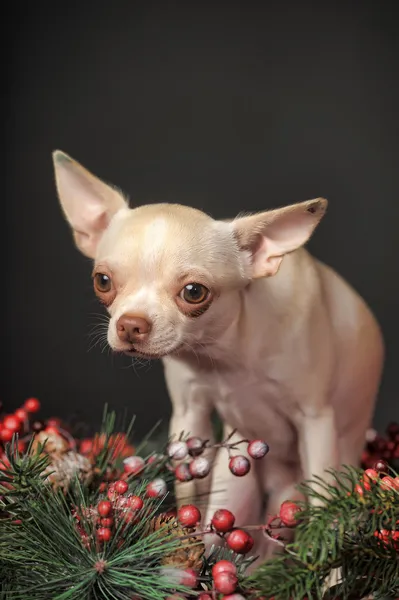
{"x":87,"y":202}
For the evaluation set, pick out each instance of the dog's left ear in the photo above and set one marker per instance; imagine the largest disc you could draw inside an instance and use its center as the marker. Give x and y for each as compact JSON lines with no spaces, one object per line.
{"x":87,"y":202}
{"x":269,"y":235}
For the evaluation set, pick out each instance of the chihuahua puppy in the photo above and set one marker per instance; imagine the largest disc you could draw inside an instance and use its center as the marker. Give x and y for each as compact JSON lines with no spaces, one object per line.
{"x":246,"y":322}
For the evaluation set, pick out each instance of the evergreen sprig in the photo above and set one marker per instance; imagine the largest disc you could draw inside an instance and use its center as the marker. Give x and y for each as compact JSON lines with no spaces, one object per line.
{"x":46,"y":557}
{"x":337,"y":532}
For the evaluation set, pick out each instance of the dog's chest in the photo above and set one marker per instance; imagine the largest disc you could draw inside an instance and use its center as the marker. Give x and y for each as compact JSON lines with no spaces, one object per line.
{"x":257,"y":406}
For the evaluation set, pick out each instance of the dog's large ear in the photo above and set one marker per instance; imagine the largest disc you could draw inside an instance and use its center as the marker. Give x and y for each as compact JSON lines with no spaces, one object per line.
{"x":87,"y":202}
{"x":269,"y":235}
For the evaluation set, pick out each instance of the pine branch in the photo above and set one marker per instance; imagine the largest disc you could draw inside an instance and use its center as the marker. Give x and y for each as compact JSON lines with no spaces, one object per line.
{"x":48,"y":560}
{"x":338,"y":533}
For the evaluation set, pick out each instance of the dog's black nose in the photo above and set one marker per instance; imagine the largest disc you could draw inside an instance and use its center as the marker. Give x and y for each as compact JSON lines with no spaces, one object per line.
{"x":132,"y":329}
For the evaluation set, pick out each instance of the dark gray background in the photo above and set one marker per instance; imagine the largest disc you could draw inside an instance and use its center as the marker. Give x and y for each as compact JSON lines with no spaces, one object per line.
{"x":223,"y":106}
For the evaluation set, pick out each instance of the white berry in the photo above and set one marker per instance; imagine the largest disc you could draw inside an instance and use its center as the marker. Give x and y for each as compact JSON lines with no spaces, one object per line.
{"x":177,"y":450}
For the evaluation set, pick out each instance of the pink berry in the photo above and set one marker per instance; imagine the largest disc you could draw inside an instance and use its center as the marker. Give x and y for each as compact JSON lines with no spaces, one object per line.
{"x":257,"y":449}
{"x":239,"y":465}
{"x":104,"y":508}
{"x":200,"y":467}
{"x":225,"y":582}
{"x":223,"y":520}
{"x":189,"y":515}
{"x":182,"y":472}
{"x":240,"y":541}
{"x":177,"y":450}
{"x":133,"y":465}
{"x":289,"y":513}
{"x":120,"y":486}
{"x":156,"y":488}
{"x":222,"y":566}
{"x":195,"y":446}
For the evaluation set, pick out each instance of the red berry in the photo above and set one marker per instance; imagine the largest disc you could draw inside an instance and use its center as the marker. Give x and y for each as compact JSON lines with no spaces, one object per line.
{"x":369,"y":476}
{"x":104,"y":508}
{"x":133,"y":465}
{"x":86,"y":446}
{"x":239,"y":597}
{"x":387,"y":483}
{"x":52,"y":429}
{"x":104,"y":534}
{"x":182,"y":472}
{"x":225,"y":582}
{"x":204,"y":596}
{"x":195,"y":446}
{"x":156,"y":488}
{"x":32,"y":405}
{"x":120,"y":486}
{"x":21,"y":414}
{"x":289,"y":513}
{"x":177,"y":450}
{"x":189,"y":515}
{"x":359,"y":490}
{"x":257,"y":449}
{"x":189,"y":578}
{"x":200,"y":467}
{"x":107,"y":522}
{"x":223,"y":565}
{"x":6,"y":435}
{"x":381,"y":466}
{"x":240,"y":541}
{"x":223,"y":520}
{"x":12,"y":423}
{"x":239,"y":465}
{"x":135,"y":503}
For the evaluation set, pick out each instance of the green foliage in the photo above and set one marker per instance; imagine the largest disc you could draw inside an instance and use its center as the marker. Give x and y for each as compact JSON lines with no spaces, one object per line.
{"x":336,"y":531}
{"x":49,"y":548}
{"x":42,"y":554}
{"x":45,"y":555}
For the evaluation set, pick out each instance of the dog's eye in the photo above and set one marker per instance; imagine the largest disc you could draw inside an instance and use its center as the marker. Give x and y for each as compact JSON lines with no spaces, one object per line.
{"x":102,"y":282}
{"x":194,"y":293}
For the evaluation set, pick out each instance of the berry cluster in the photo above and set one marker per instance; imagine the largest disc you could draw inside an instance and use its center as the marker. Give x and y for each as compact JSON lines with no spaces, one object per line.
{"x":193,"y":465}
{"x":377,"y":475}
{"x":385,"y":447}
{"x":109,"y":514}
{"x":222,"y":578}
{"x":18,"y":422}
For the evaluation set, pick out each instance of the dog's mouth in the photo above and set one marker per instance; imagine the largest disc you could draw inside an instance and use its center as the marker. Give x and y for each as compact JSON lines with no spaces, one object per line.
{"x":134,"y":352}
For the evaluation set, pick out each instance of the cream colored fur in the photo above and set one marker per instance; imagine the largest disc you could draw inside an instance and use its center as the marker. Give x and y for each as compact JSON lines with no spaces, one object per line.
{"x":287,"y":351}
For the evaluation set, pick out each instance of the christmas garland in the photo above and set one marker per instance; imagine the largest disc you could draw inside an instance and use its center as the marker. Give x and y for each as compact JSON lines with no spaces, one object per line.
{"x":95,"y":519}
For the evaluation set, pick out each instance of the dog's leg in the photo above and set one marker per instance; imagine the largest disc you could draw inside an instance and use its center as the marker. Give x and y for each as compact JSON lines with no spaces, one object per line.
{"x":281,"y":480}
{"x":243,"y":496}
{"x":318,"y":445}
{"x":194,"y":423}
{"x":192,"y":409}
